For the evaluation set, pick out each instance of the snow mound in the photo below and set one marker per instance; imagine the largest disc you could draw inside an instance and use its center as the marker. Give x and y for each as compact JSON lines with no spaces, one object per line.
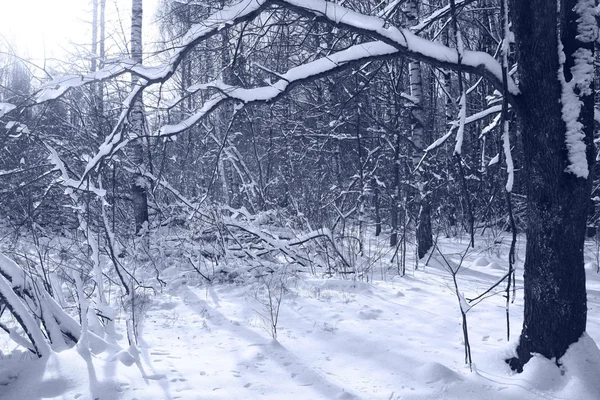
{"x":576,"y":378}
{"x":581,"y":366}
{"x":433,"y":372}
{"x":480,"y":262}
{"x":542,"y":374}
{"x":494,"y":265}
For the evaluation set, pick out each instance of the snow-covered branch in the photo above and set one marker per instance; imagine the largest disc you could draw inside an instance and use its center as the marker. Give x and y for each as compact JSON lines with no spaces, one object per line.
{"x":356,"y":54}
{"x":5,"y":108}
{"x":407,"y":43}
{"x":390,"y":41}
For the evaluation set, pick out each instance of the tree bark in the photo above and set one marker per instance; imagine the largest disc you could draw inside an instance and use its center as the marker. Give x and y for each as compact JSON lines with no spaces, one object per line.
{"x":396,"y":193}
{"x":557,"y":200}
{"x":424,"y":233}
{"x":136,"y":119}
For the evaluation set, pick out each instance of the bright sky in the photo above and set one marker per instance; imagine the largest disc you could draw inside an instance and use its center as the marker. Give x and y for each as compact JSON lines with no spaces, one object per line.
{"x":39,"y":28}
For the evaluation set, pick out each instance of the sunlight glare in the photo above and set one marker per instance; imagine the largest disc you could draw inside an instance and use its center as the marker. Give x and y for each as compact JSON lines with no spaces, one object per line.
{"x":42,"y":28}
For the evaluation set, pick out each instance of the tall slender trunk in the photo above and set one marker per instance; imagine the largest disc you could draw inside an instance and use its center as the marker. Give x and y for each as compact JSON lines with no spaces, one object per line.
{"x":376,"y":190}
{"x":424,"y":234}
{"x":139,"y":195}
{"x":94,"y":61}
{"x":101,"y":56}
{"x":396,"y":192}
{"x":98,"y":33}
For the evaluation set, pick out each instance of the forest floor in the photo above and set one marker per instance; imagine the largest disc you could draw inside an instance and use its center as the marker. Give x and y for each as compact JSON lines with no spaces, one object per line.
{"x":391,"y":339}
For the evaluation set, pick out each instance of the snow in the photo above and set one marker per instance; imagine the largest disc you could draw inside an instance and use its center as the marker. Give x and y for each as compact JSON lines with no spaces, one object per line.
{"x":468,"y":120}
{"x":491,"y":125}
{"x":587,"y":26}
{"x":404,"y":39}
{"x":494,"y":160}
{"x":580,"y":85}
{"x":438,"y":142}
{"x":392,"y":338}
{"x":461,"y":123}
{"x":295,"y":75}
{"x":510,"y":169}
{"x":59,"y":85}
{"x":571,"y":108}
{"x":5,"y":108}
{"x":434,"y":16}
{"x":9,"y":278}
{"x":393,"y":40}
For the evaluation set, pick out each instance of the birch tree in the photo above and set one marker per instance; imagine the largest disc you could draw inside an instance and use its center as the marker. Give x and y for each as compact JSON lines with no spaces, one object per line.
{"x":139,"y":195}
{"x":424,"y":234}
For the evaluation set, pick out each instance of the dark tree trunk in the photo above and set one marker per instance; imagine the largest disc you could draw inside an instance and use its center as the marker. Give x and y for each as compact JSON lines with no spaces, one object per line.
{"x":375,"y":185}
{"x":557,"y":200}
{"x":424,"y":237}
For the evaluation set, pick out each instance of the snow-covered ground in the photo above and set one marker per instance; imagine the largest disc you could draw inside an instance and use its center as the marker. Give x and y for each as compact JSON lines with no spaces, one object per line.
{"x":390,"y":339}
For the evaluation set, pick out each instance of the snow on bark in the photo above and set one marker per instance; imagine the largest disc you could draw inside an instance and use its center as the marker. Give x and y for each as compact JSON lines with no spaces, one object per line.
{"x":468,"y":120}
{"x":571,"y":108}
{"x":37,"y":302}
{"x":83,"y":345}
{"x":58,"y":86}
{"x":508,"y":37}
{"x":464,"y":304}
{"x":5,"y":108}
{"x":582,"y":73}
{"x":494,"y":160}
{"x":114,"y":141}
{"x":71,"y":184}
{"x":395,"y":41}
{"x":491,"y":125}
{"x":434,"y":16}
{"x":55,"y":335}
{"x":293,"y":76}
{"x":8,"y":270}
{"x":17,"y":338}
{"x":439,"y":141}
{"x":508,"y":156}
{"x":92,"y":239}
{"x":587,"y":27}
{"x":461,"y":124}
{"x":403,"y":39}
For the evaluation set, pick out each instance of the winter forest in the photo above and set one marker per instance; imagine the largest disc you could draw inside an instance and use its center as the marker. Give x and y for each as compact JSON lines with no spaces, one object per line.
{"x":299,"y":199}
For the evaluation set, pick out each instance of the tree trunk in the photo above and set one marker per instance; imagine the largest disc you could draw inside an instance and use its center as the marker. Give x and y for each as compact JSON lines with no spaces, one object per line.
{"x":557,"y":198}
{"x":136,"y":119}
{"x":375,"y":186}
{"x":396,"y":191}
{"x":424,"y":234}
